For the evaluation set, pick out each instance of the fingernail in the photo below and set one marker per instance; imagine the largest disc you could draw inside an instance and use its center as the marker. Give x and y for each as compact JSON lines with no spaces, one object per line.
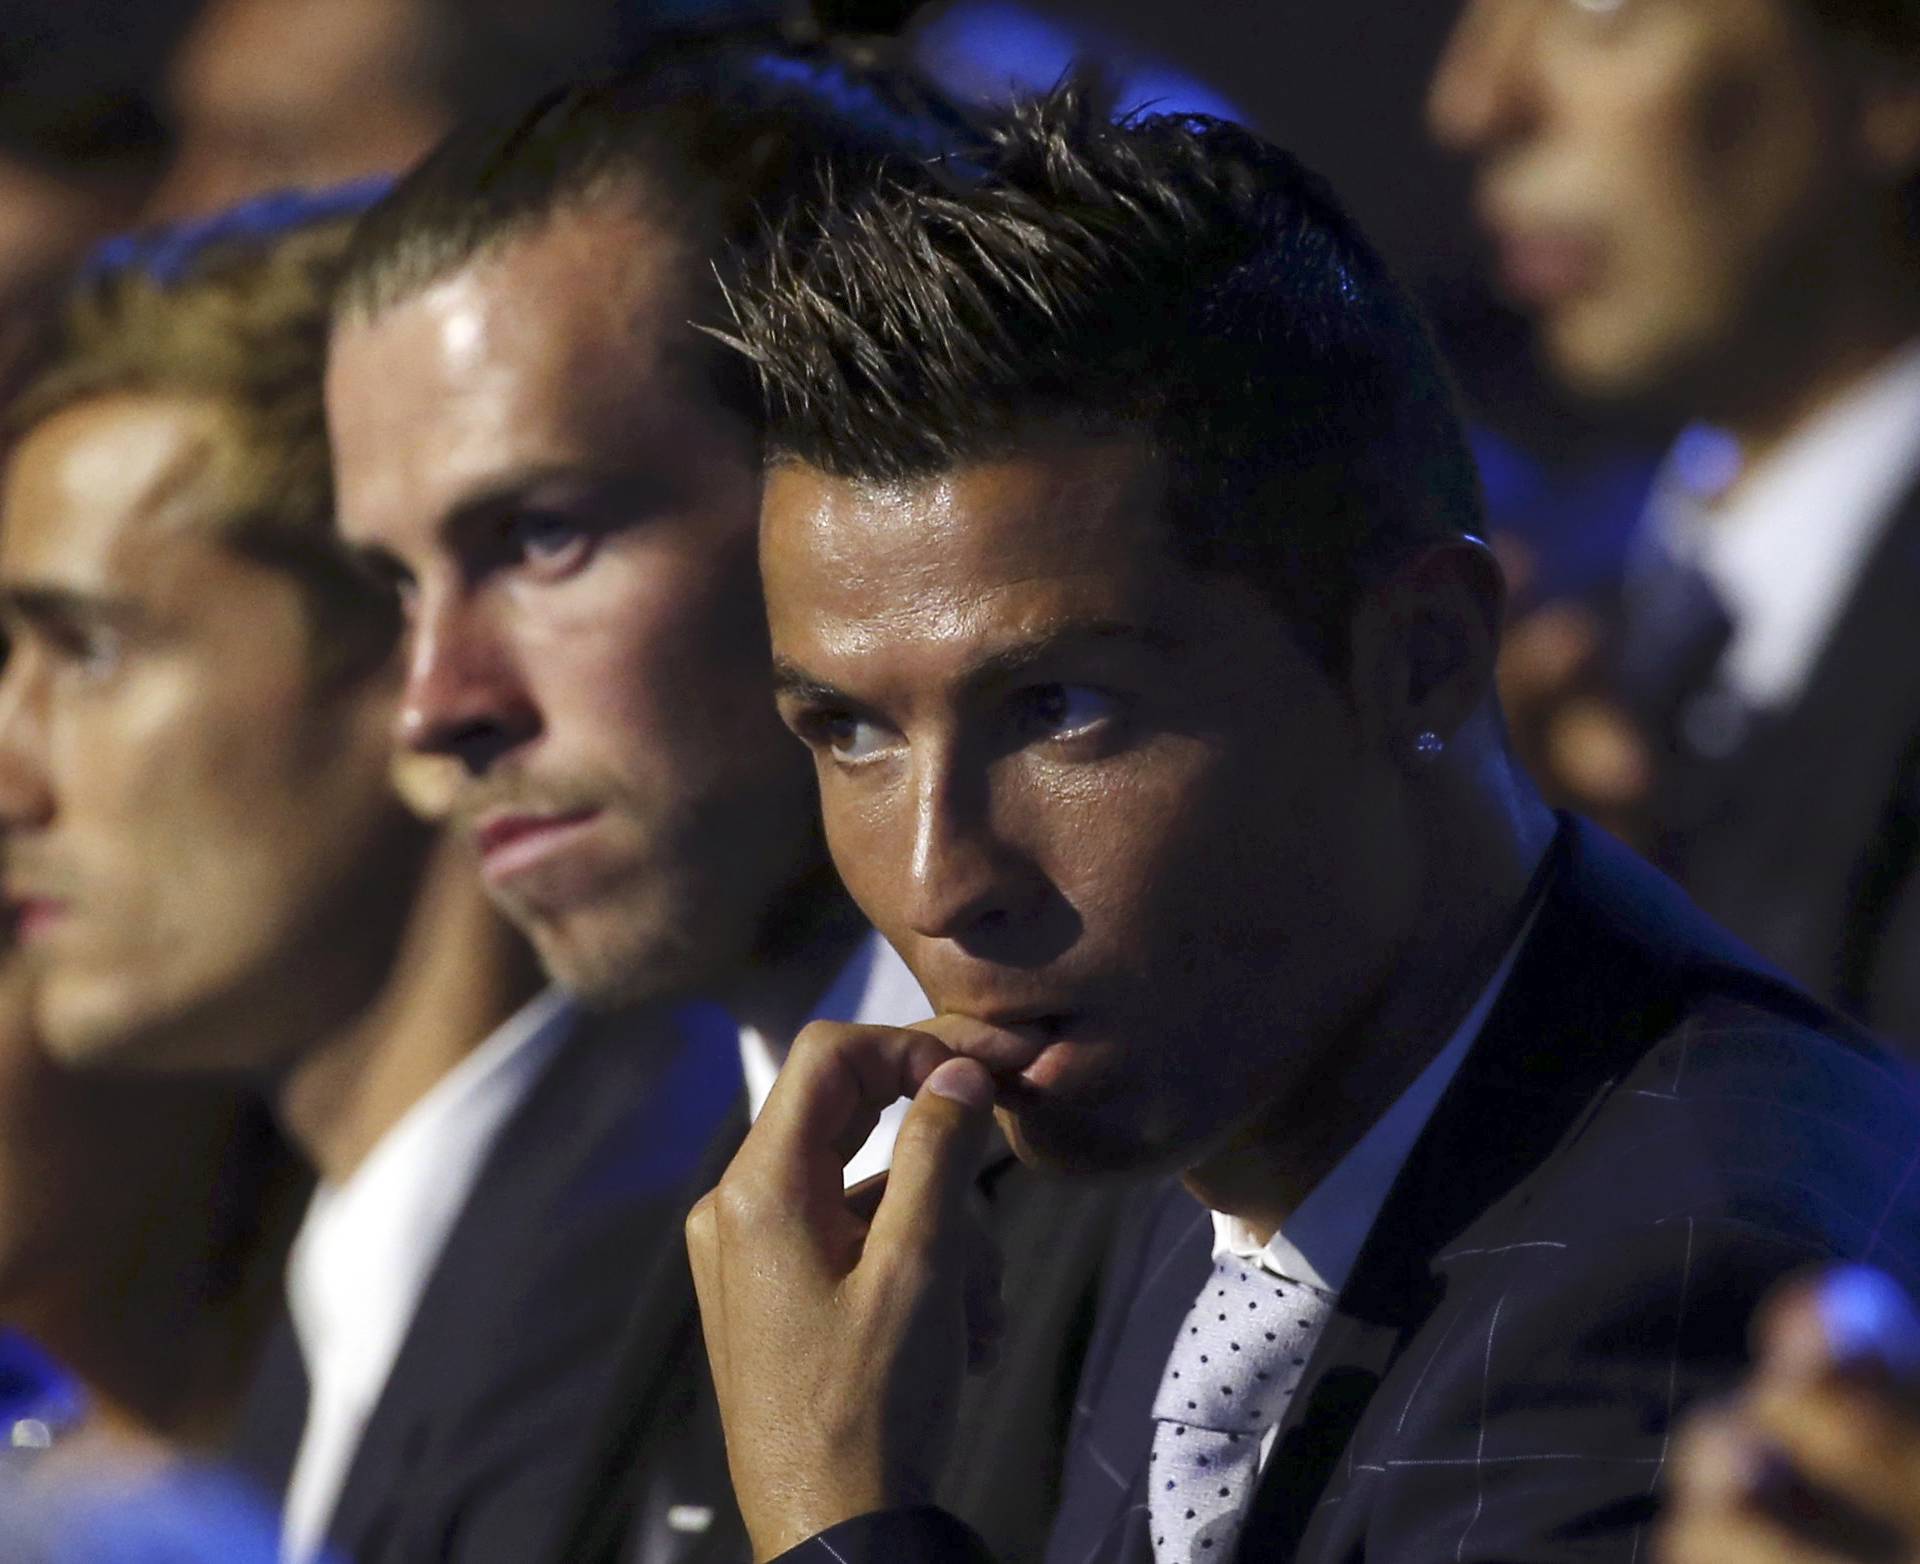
{"x":1869,"y":1322}
{"x":963,"y":1081}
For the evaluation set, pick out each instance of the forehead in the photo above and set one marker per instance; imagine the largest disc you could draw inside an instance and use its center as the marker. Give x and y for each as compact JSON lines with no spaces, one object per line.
{"x":237,"y":59}
{"x":96,"y":491}
{"x":567,"y":344}
{"x":1074,"y":529}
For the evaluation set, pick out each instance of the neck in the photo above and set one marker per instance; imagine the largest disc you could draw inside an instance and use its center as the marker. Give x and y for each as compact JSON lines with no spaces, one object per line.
{"x":1776,"y":389}
{"x":1474,"y":890}
{"x":458,"y":972}
{"x":156,"y":1315}
{"x":815,"y":933}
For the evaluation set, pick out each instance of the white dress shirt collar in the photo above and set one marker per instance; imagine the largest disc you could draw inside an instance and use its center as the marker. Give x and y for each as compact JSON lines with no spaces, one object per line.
{"x":874,"y":988}
{"x":1319,"y":1243}
{"x":1784,"y":551}
{"x":366,"y":1248}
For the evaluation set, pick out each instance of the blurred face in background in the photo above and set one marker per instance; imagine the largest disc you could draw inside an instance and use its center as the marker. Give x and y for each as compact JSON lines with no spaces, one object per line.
{"x":1671,"y":185}
{"x":531,"y":449}
{"x":205,"y":858}
{"x":274,"y":94}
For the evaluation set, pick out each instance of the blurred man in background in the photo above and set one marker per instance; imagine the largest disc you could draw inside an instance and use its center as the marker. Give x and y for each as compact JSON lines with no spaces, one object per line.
{"x":1709,"y":205}
{"x":82,"y":142}
{"x":211,"y":872}
{"x":277,"y":94}
{"x":561,"y":475}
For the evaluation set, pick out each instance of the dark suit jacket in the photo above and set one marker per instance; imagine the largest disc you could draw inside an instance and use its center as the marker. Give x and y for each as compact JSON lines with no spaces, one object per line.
{"x":476,"y":1444}
{"x":1805,"y":841}
{"x":1649,"y":1132}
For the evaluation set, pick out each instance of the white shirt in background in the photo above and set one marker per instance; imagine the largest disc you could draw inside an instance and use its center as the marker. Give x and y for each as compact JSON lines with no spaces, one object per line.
{"x":1785,"y":549}
{"x":874,"y":988}
{"x":367,"y":1246}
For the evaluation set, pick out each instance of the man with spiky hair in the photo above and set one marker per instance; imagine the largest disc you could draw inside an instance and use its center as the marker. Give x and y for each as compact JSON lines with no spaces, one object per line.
{"x":1118,"y":543}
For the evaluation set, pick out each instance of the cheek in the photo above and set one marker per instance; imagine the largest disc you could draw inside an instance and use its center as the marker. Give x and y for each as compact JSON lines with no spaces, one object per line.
{"x":1729,"y":159}
{"x":664,"y":656}
{"x":193,"y":802}
{"x":1267,"y":873}
{"x":869,"y":833}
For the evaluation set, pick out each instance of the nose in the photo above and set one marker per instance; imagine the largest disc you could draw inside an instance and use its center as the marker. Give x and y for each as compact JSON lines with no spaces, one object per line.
{"x":1482,"y":87}
{"x":965,"y":880}
{"x":465,"y":696}
{"x":26,"y":795}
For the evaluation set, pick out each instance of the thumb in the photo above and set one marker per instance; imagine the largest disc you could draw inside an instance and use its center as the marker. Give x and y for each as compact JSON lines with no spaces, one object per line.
{"x":934,"y":1159}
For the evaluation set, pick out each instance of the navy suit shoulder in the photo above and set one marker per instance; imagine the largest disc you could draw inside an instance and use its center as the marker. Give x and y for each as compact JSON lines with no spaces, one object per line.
{"x":1720,"y":1132}
{"x":1530,"y":1413}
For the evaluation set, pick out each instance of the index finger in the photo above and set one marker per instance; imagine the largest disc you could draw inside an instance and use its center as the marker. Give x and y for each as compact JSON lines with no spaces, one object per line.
{"x":837,"y":1080}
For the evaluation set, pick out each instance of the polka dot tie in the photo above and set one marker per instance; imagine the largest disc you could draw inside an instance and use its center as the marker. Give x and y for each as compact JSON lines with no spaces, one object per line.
{"x":1239,"y":1355}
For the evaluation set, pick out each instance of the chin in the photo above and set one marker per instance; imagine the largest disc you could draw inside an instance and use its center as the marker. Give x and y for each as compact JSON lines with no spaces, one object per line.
{"x":606,"y":959}
{"x":1618,"y":357}
{"x":1053,"y":1137}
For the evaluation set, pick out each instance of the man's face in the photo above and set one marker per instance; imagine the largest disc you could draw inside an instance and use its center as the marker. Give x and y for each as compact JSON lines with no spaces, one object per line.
{"x":530,"y":447}
{"x":278,"y":94}
{"x":1087,"y":791}
{"x":1671,"y":184}
{"x":203,"y":850}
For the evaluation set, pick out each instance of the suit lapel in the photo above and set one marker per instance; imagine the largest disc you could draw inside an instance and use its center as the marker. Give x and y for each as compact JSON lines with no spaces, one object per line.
{"x":1788,"y":854}
{"x":662,"y":1358}
{"x":600,"y":1143}
{"x":1152,"y":1282}
{"x":267,"y":1440}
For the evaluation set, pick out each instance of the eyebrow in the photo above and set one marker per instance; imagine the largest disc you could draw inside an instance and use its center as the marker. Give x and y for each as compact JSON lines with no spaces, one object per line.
{"x":43,"y":602}
{"x":794,"y":682}
{"x":512,"y":489}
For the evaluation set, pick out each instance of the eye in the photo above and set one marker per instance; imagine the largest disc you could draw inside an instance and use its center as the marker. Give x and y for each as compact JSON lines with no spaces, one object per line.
{"x":553,"y":546}
{"x":93,"y":652}
{"x":1065,"y":711}
{"x":1597,"y":11}
{"x":852,"y":741}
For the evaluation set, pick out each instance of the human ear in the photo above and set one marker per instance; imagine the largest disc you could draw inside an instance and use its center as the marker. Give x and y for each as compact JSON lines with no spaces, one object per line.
{"x":1423,"y":646}
{"x":1888,"y":118}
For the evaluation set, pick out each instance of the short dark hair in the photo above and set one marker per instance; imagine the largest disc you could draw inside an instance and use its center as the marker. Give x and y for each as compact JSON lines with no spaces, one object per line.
{"x":1170,"y":277}
{"x":714,"y":133}
{"x":1890,"y":25}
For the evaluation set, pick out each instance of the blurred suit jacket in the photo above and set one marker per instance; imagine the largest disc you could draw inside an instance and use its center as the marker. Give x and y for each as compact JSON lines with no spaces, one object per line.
{"x":551,"y":1399}
{"x":474,"y":1446}
{"x":1805,"y":841}
{"x":1649,"y":1132}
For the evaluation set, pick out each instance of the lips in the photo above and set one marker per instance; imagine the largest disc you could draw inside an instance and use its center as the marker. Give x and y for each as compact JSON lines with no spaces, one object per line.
{"x":513,"y":843}
{"x":32,"y":917}
{"x":1008,"y":1043}
{"x":1542,"y":265}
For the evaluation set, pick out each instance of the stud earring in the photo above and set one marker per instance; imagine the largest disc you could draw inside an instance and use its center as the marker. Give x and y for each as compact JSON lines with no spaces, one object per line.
{"x":1427,"y":744}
